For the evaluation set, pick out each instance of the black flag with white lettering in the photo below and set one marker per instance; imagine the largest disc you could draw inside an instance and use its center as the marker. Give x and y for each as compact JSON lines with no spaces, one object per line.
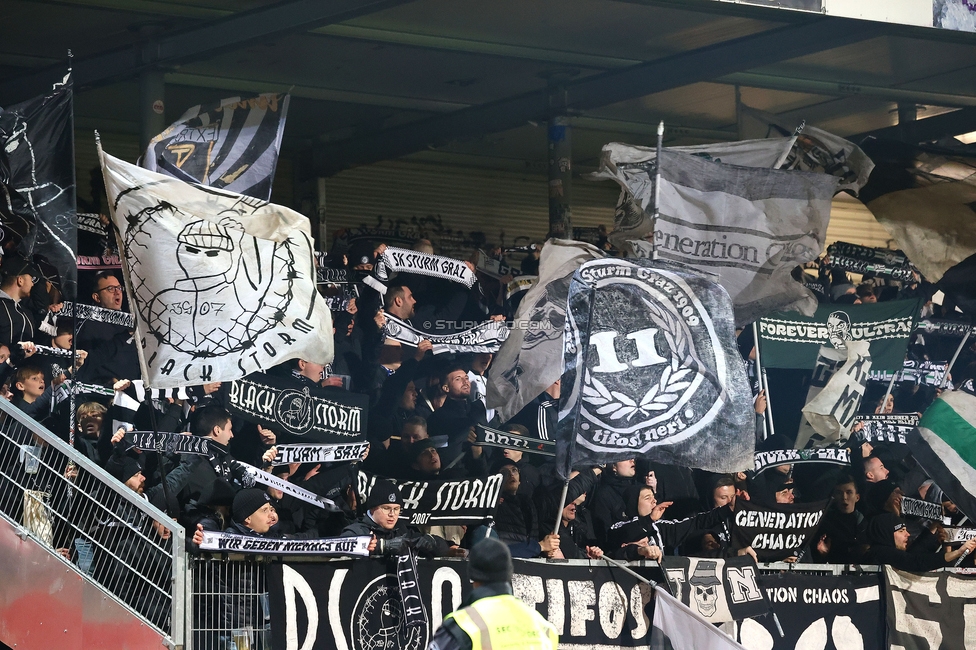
{"x":651,"y":369}
{"x":776,"y":531}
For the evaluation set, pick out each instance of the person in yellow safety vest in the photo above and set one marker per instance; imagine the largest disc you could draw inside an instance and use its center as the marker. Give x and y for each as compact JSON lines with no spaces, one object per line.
{"x":492,"y":618}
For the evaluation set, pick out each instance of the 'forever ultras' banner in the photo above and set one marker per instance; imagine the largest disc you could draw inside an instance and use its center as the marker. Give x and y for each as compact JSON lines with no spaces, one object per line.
{"x":326,"y":415}
{"x":720,"y":590}
{"x":822,"y":612}
{"x":651,"y":370}
{"x":222,"y":284}
{"x":776,"y":531}
{"x":356,"y":604}
{"x":464,"y":502}
{"x":930,"y":611}
{"x":793,"y":341}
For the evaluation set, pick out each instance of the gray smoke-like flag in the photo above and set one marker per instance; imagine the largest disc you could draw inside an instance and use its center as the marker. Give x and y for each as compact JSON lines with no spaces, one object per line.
{"x":531,"y":359}
{"x":651,"y":369}
{"x":232,"y":144}
{"x":630,"y":221}
{"x":748,"y":225}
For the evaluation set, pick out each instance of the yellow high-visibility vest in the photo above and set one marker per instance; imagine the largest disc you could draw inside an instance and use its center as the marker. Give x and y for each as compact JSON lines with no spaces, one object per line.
{"x":505,"y":623}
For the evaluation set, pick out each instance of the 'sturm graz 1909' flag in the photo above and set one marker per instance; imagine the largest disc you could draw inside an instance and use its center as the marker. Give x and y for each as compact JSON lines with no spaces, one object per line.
{"x":232,"y":144}
{"x":222,"y":284}
{"x":37,"y":181}
{"x":794,"y":341}
{"x":751,"y":226}
{"x":651,"y":370}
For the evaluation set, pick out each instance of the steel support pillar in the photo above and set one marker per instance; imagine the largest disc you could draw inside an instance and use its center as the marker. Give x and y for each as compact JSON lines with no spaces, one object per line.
{"x":560,"y":165}
{"x":152,"y":89}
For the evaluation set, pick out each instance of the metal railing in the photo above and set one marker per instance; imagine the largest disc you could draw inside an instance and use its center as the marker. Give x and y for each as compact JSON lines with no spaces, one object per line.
{"x":108,"y":532}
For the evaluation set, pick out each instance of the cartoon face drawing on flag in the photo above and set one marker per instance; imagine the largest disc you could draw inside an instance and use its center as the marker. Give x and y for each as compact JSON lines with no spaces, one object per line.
{"x":222,"y":284}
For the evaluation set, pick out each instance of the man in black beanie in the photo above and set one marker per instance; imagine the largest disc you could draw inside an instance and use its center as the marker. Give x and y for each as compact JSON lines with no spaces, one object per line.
{"x":889,"y":539}
{"x":382,"y":522}
{"x":491,"y":615}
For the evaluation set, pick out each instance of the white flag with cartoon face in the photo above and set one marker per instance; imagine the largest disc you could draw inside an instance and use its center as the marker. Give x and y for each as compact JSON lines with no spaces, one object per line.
{"x":222,"y":284}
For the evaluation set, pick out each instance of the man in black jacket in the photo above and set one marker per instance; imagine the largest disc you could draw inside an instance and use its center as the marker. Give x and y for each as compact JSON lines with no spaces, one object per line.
{"x":607,"y":504}
{"x":517,"y":521}
{"x":382,"y":523}
{"x":458,"y":417}
{"x":19,"y":300}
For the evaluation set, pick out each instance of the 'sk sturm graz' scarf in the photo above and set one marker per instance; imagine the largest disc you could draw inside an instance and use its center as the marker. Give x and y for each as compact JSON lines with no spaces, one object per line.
{"x":486,"y":337}
{"x":400,"y":260}
{"x":651,"y":370}
{"x":831,"y":455}
{"x":288,"y":454}
{"x":91,"y":312}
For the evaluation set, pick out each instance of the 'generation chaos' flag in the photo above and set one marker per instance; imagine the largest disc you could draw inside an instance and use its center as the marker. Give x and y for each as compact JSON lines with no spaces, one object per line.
{"x":751,"y":226}
{"x":222,"y":284}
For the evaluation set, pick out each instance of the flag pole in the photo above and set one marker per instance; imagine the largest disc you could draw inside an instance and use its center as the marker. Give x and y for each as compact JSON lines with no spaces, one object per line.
{"x":962,"y":344}
{"x":627,"y":569}
{"x":763,"y":383}
{"x":657,"y":187}
{"x":559,"y":510}
{"x":760,"y":376}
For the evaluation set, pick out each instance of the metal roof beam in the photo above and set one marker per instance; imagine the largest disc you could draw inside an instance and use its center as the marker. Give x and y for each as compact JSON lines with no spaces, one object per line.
{"x":599,"y":90}
{"x":221,"y":35}
{"x":931,"y":128}
{"x":843,"y":89}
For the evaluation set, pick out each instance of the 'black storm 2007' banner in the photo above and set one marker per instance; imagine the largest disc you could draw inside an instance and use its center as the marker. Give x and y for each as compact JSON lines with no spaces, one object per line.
{"x":356,"y":605}
{"x":466,"y":502}
{"x":651,"y":370}
{"x":314,"y":414}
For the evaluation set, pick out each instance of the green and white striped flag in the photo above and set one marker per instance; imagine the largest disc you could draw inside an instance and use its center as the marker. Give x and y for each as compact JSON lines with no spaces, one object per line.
{"x":944,"y":444}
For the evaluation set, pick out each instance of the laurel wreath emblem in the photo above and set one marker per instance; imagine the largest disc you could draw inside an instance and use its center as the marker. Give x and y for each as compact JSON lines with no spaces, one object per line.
{"x":676,"y":376}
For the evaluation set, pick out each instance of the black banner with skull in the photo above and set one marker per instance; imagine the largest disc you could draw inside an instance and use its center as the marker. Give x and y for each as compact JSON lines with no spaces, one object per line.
{"x":822,"y":612}
{"x":357,"y":605}
{"x":299,"y":412}
{"x":720,"y":590}
{"x":651,"y":370}
{"x":776,"y":531}
{"x":789,"y":340}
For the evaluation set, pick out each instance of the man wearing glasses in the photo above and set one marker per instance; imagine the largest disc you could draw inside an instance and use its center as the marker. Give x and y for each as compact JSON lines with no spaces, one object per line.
{"x":111,"y":344}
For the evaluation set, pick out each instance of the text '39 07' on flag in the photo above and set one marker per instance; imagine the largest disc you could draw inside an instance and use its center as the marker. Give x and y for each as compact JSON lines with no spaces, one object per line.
{"x":222,"y":284}
{"x":651,"y":370}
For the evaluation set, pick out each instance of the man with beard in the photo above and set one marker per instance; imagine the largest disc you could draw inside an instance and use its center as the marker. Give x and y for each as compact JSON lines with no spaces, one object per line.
{"x":458,"y":417}
{"x":843,"y":529}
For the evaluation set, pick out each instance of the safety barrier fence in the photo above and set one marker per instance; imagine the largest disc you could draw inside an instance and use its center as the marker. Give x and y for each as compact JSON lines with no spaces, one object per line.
{"x":69,"y":505}
{"x":231,"y":608}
